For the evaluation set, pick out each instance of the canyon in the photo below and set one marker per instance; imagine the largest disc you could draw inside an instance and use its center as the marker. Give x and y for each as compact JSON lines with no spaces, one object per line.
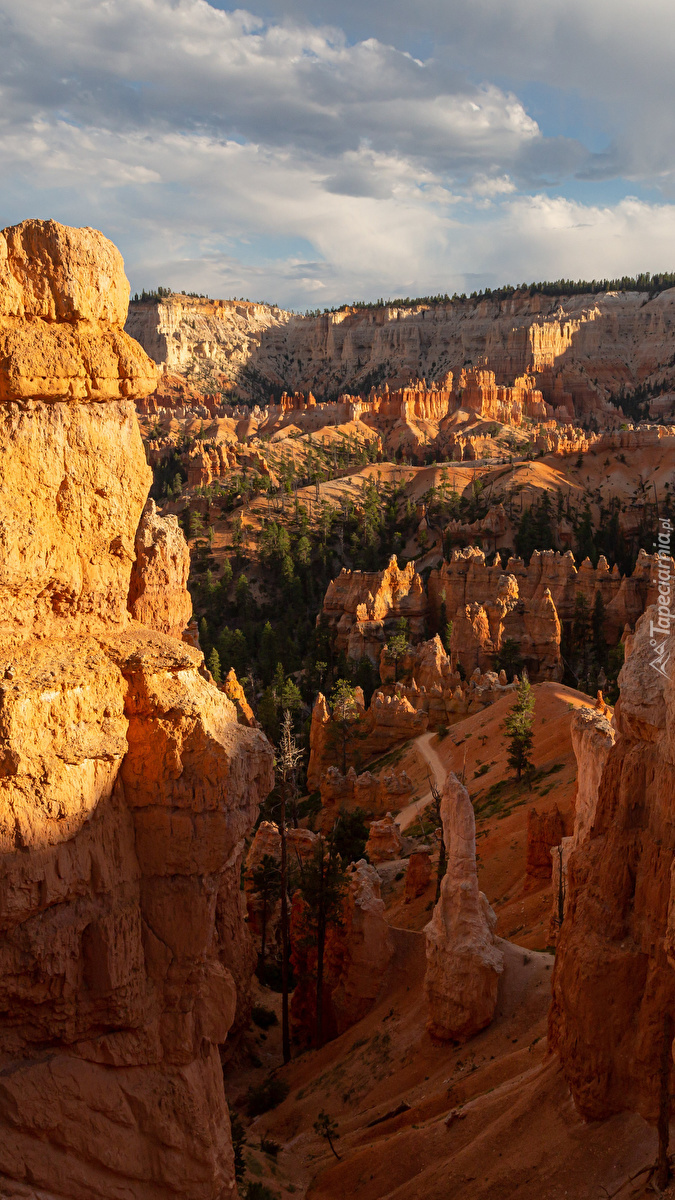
{"x":497,"y":977}
{"x":580,"y":352}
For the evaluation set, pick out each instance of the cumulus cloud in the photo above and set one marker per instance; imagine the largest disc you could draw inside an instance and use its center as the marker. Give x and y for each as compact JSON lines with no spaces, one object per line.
{"x":279,"y":159}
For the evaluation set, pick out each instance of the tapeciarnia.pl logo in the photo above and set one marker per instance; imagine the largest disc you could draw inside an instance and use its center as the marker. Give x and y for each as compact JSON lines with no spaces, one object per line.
{"x":659,"y":630}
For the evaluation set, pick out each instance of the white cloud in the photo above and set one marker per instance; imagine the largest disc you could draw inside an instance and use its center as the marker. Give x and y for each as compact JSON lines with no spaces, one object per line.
{"x":280,"y":161}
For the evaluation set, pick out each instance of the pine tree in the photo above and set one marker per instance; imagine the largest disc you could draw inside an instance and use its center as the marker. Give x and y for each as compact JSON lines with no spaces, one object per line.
{"x":518,"y":726}
{"x":598,"y":627}
{"x":287,"y":760}
{"x":242,"y":593}
{"x":321,"y":885}
{"x":214,"y":665}
{"x":327,"y":1128}
{"x":266,"y":879}
{"x":345,"y":713}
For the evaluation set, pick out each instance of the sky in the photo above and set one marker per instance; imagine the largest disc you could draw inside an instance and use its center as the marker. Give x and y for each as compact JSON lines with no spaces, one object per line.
{"x":310,"y":154}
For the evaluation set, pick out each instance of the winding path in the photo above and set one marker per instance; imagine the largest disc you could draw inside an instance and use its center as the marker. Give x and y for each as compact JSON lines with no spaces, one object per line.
{"x":408,"y":814}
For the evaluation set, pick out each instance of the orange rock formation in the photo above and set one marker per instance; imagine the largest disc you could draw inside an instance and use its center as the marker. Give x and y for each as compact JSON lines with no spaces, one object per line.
{"x":384,"y":840}
{"x":358,"y":951}
{"x":63,"y":304}
{"x":463,"y":960}
{"x":614,"y":979}
{"x":127,"y":784}
{"x":158,"y":595}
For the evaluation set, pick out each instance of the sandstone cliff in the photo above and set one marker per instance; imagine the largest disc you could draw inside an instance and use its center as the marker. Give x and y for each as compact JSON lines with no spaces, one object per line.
{"x":614,"y":979}
{"x":127,"y":785}
{"x":577,"y":352}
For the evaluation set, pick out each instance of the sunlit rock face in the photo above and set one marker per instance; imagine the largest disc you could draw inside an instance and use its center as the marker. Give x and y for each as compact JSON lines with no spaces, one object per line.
{"x":126,"y":784}
{"x":614,"y":979}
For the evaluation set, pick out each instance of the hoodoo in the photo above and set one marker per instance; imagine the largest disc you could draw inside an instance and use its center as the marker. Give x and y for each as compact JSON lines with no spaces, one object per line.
{"x":463,"y":960}
{"x":127,"y":785}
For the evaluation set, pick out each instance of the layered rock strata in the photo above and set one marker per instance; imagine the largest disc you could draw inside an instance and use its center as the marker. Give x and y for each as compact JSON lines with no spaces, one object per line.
{"x":614,"y":980}
{"x":579,"y":352}
{"x":464,"y":962}
{"x":127,"y":785}
{"x":593,"y":736}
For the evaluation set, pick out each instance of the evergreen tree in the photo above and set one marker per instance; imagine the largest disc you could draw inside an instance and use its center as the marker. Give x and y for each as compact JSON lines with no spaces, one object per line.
{"x":226,"y":577}
{"x":214,"y":665}
{"x":509,"y":658}
{"x":327,"y":1128}
{"x":351,"y":835}
{"x":345,"y":714}
{"x":242,"y":593}
{"x":268,"y":653}
{"x":518,"y":726}
{"x":585,"y":540}
{"x":266,"y":879}
{"x":598,"y":628}
{"x":321,"y":884}
{"x":581,"y":632}
{"x":397,"y":647}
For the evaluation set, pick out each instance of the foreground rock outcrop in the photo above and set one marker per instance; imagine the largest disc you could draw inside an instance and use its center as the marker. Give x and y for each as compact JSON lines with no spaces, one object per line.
{"x":464,"y":961}
{"x":127,"y":786}
{"x":614,"y":980}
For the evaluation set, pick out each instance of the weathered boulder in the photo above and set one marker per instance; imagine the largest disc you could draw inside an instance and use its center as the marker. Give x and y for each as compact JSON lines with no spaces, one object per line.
{"x":235,"y":692}
{"x":158,"y":595}
{"x":63,"y":304}
{"x":463,"y":960}
{"x":384,"y":840}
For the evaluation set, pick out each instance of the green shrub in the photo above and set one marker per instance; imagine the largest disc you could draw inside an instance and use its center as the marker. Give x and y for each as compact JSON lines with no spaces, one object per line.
{"x":263,"y":1017}
{"x":255,"y":1190}
{"x":261,"y":1097}
{"x":269,"y":1146}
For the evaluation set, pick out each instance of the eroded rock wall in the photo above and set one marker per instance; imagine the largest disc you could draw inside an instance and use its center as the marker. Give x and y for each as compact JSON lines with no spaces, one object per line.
{"x":614,"y":979}
{"x":127,"y":786}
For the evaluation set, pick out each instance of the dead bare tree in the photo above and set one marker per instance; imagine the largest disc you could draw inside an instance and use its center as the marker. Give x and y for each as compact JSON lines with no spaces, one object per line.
{"x":440,"y":872}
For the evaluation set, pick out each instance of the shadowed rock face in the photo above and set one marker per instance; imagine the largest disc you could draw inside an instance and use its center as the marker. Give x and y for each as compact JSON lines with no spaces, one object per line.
{"x":614,"y":979}
{"x":126,"y":784}
{"x":463,"y":961}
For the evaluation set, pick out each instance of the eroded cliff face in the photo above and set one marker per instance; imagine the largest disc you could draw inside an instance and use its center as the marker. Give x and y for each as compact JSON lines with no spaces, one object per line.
{"x":577,"y":351}
{"x":614,"y":980}
{"x":127,"y":785}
